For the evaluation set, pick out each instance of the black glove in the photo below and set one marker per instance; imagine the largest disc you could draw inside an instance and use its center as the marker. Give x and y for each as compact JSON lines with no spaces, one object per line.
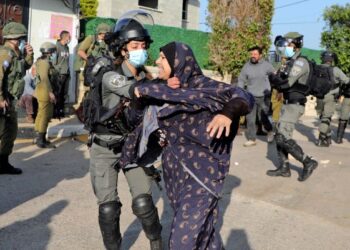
{"x":277,"y":82}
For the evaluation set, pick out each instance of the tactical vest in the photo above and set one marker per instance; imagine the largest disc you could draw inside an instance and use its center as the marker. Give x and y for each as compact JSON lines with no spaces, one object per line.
{"x":14,"y":82}
{"x":299,"y":91}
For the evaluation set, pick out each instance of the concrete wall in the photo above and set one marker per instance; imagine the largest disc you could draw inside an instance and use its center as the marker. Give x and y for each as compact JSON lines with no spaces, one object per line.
{"x":39,"y":29}
{"x":166,"y":14}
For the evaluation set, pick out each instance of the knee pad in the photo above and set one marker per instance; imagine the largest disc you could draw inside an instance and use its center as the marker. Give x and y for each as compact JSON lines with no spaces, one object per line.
{"x":143,"y":207}
{"x":294,"y":149}
{"x":326,"y":120}
{"x":109,"y":211}
{"x":280,"y":139}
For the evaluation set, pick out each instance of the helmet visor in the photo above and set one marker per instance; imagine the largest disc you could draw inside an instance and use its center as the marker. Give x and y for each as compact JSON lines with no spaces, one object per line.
{"x":140,"y":16}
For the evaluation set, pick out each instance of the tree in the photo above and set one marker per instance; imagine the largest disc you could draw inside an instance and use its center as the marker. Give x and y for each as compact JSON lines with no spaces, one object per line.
{"x":237,"y":25}
{"x":88,"y":8}
{"x":336,"y":36}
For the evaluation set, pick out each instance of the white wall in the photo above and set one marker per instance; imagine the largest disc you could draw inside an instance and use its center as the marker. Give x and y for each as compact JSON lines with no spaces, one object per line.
{"x":167,"y":14}
{"x":39,"y":30}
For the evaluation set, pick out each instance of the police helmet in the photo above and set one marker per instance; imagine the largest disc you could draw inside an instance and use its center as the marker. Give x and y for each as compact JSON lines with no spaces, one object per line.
{"x":14,"y":30}
{"x":328,"y":56}
{"x":130,"y":27}
{"x":47,"y":48}
{"x":296,"y":38}
{"x":103,"y":28}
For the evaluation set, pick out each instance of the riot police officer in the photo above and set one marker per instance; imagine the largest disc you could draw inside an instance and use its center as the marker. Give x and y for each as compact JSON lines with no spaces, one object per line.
{"x":15,"y":57}
{"x":129,"y":42}
{"x":328,"y":103}
{"x":44,"y":92}
{"x":291,"y":80}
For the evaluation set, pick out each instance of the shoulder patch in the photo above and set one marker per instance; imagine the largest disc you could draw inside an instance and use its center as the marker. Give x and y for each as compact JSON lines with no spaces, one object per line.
{"x":295,"y":71}
{"x":118,"y":80}
{"x":299,"y":63}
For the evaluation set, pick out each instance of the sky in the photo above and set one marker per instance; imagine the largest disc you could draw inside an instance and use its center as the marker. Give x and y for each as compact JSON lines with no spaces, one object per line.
{"x":303,"y":16}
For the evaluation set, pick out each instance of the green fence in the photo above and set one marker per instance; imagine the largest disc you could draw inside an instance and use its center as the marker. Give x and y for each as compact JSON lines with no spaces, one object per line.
{"x":162,"y":35}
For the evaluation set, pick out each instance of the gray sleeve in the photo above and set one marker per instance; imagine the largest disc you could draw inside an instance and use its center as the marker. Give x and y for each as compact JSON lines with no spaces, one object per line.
{"x":243,"y":77}
{"x":117,"y":84}
{"x":269,"y":68}
{"x":340,"y":77}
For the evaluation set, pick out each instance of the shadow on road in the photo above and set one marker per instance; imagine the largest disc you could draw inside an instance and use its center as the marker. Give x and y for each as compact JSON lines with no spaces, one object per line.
{"x":43,"y":169}
{"x":32,"y":233}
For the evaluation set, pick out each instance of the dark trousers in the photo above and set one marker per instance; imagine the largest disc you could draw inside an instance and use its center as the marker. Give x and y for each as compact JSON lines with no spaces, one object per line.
{"x":61,"y":93}
{"x":260,"y":109}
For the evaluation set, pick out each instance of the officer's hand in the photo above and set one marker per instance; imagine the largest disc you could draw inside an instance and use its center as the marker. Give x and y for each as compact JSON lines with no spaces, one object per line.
{"x":173,"y":82}
{"x":52,"y":97}
{"x":29,"y":49}
{"x":3,"y":104}
{"x":218,"y":124}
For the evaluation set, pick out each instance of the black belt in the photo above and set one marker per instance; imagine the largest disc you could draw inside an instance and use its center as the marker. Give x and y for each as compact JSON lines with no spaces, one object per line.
{"x":111,"y":144}
{"x":293,"y":102}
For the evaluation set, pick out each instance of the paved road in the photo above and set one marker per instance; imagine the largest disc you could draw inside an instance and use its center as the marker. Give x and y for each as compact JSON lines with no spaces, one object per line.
{"x":51,"y":206}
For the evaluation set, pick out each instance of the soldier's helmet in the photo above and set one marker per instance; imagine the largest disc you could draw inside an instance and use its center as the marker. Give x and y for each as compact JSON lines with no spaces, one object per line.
{"x":103,"y":28}
{"x":14,"y":30}
{"x":130,"y":26}
{"x":328,"y":56}
{"x":296,"y":38}
{"x":47,"y":48}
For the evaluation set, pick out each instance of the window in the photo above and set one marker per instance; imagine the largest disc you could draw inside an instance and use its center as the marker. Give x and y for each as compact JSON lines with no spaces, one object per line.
{"x":149,"y":3}
{"x":184,"y":9}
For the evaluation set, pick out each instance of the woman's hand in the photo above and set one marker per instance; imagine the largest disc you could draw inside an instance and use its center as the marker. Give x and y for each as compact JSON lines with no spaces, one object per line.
{"x":137,"y":93}
{"x":218,"y":124}
{"x":52,"y":97}
{"x":173,"y":82}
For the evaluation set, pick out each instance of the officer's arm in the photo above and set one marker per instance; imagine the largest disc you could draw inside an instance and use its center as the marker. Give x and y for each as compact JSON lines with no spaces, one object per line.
{"x":340,"y":76}
{"x":299,"y":69}
{"x":84,"y":47}
{"x":29,"y":60}
{"x":117,"y":84}
{"x":5,"y":63}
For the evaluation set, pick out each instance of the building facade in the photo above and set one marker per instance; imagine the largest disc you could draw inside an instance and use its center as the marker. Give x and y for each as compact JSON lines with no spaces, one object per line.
{"x":176,"y":13}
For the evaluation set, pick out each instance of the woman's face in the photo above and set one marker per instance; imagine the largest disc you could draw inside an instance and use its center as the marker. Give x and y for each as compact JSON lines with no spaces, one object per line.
{"x":163,"y":66}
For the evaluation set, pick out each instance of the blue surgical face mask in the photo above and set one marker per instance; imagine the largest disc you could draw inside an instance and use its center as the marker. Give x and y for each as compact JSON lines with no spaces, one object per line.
{"x":22,"y":45}
{"x":138,"y":58}
{"x":289,"y":52}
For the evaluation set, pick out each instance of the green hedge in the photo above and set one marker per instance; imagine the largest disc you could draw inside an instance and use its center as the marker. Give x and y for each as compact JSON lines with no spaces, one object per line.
{"x":162,"y":35}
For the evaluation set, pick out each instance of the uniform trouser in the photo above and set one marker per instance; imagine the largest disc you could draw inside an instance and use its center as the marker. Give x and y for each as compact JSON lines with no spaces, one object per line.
{"x":276,"y":106}
{"x":345,"y":109}
{"x":290,"y":114}
{"x":104,"y":177}
{"x":45,"y":112}
{"x":62,"y":91}
{"x":261,"y":107}
{"x":8,"y":131}
{"x":327,"y":109}
{"x":195,"y":211}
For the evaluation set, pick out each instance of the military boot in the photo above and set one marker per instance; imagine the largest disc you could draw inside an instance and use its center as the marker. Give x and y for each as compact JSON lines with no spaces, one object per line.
{"x":284,"y":169}
{"x":322,"y":140}
{"x":341,"y":130}
{"x":6,"y":167}
{"x":309,"y":166}
{"x":41,"y":141}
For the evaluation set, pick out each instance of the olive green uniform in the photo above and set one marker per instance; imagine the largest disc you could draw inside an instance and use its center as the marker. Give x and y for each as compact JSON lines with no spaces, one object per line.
{"x":326,"y":106}
{"x":42,"y":90}
{"x":12,"y":71}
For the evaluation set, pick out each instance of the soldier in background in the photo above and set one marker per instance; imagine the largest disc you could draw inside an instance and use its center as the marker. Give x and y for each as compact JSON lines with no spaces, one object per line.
{"x":16,"y":55}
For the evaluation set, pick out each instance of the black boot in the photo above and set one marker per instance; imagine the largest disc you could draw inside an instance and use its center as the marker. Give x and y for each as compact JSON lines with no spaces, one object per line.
{"x":341,"y":130}
{"x":108,"y":218}
{"x":41,"y":141}
{"x":309,"y":166}
{"x":323,"y":140}
{"x":6,"y":167}
{"x":284,"y":169}
{"x":143,"y":207}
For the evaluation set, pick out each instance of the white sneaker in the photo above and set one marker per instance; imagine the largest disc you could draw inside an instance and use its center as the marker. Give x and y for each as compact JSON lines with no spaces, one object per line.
{"x":270,"y":136}
{"x":249,"y":143}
